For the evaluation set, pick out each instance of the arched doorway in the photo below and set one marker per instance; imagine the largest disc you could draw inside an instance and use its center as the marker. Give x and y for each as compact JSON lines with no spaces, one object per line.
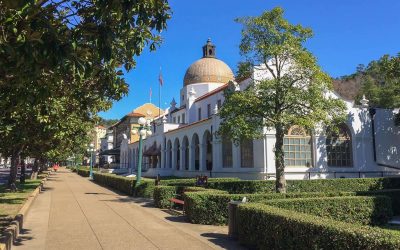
{"x":185,"y":145}
{"x":207,"y":142}
{"x":196,"y":152}
{"x":177,"y":148}
{"x":169,"y":154}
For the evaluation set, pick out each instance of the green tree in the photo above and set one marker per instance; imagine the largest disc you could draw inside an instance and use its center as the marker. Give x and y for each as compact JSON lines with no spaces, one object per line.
{"x":294,"y":91}
{"x":61,"y":63}
{"x":380,"y":82}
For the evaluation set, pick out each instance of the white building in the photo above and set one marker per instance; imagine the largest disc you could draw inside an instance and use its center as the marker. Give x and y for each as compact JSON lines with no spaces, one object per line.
{"x":184,"y":142}
{"x":106,"y":144}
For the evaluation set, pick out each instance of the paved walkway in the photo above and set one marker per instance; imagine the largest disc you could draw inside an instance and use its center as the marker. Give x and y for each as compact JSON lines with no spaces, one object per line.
{"x":74,"y":213}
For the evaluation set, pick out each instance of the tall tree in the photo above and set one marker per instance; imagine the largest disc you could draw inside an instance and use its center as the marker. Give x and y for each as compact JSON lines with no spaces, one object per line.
{"x":66,"y":57}
{"x":380,"y":82}
{"x":292,"y":91}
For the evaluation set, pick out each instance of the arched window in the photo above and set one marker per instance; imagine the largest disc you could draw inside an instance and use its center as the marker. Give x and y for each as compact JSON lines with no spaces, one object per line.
{"x":246,"y":153}
{"x":338,"y":147}
{"x":297,"y":147}
{"x":226,"y":152}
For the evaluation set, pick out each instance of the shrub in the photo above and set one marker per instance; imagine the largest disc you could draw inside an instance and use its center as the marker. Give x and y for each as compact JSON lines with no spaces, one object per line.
{"x":266,"y":227}
{"x":144,"y":189}
{"x":321,"y":185}
{"x":162,"y":194}
{"x":126,"y":185}
{"x":192,"y":181}
{"x":83,"y":172}
{"x":394,"y":194}
{"x":212,"y":207}
{"x":357,"y":209}
{"x":120,"y":183}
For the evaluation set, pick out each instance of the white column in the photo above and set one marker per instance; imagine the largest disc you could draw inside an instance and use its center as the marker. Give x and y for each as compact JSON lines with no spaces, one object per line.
{"x":202,"y":157}
{"x":192,"y":150}
{"x":182,"y":162}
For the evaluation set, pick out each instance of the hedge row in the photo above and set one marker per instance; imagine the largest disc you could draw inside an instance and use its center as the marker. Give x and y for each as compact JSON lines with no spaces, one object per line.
{"x":162,"y":194}
{"x":376,"y":210}
{"x":266,"y":227}
{"x":192,"y":181}
{"x":394,"y":194}
{"x":320,"y":185}
{"x":212,"y":207}
{"x":120,"y":183}
{"x":126,"y":185}
{"x":83,"y":172}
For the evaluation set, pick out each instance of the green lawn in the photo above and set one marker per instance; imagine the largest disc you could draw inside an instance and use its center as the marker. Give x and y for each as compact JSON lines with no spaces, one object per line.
{"x":394,"y":229}
{"x":11,"y":202}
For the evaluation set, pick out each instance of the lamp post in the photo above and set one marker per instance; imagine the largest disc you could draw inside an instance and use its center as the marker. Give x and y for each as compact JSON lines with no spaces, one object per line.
{"x":91,"y":150}
{"x":143,"y":129}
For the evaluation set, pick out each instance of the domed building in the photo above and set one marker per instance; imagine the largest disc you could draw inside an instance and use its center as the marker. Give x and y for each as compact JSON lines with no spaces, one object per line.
{"x":184,"y":141}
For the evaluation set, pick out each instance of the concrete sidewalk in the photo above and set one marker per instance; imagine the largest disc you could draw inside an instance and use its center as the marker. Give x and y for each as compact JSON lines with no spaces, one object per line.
{"x":74,"y":213}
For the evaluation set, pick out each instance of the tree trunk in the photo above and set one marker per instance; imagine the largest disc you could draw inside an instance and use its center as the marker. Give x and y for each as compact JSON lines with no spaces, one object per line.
{"x":22,"y":176}
{"x":13,"y":171}
{"x":280,"y":184}
{"x":35,"y":169}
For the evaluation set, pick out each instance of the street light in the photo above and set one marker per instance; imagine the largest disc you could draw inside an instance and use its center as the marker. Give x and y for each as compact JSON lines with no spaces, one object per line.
{"x":91,"y":150}
{"x":144,"y":129}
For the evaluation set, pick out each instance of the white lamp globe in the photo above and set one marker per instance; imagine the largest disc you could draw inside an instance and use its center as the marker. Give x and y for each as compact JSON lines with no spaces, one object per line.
{"x":91,"y":145}
{"x":149,"y":133}
{"x":142,"y":121}
{"x":148,"y":122}
{"x":134,"y":132}
{"x":142,"y":132}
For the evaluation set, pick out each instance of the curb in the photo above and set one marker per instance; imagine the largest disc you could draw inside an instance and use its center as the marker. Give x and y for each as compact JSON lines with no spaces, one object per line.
{"x":15,"y":227}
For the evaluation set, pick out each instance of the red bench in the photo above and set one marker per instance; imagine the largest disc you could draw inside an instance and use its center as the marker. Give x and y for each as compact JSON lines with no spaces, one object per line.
{"x":177,"y":201}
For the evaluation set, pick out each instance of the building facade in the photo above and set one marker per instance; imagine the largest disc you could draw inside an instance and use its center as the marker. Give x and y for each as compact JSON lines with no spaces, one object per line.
{"x":184,"y":142}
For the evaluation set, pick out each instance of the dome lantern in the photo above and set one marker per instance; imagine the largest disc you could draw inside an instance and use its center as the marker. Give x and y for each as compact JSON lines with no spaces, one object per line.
{"x":209,"y":49}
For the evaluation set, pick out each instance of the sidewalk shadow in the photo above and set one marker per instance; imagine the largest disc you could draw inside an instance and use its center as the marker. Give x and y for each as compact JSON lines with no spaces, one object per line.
{"x":22,"y":237}
{"x":223,"y":240}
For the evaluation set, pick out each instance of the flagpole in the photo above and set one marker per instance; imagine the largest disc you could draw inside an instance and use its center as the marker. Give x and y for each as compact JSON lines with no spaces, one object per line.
{"x":159,"y":97}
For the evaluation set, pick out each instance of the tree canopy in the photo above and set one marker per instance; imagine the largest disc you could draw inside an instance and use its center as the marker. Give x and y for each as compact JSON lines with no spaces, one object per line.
{"x":61,"y":62}
{"x":288,"y":87}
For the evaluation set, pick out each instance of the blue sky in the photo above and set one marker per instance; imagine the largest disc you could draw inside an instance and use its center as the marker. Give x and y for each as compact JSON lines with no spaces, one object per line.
{"x":346,"y":33}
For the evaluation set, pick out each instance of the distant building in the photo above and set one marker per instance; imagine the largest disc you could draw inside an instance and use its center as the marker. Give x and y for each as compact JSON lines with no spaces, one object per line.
{"x":184,"y":142}
{"x":106,"y":144}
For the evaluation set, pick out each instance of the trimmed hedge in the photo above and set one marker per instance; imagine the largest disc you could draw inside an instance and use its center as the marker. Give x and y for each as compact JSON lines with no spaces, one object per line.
{"x":187,"y":182}
{"x":126,"y":185}
{"x":372,"y":211}
{"x":120,"y":183}
{"x":162,"y":194}
{"x":266,"y":227}
{"x":212,"y":207}
{"x":320,"y":185}
{"x":84,"y":172}
{"x":394,"y":194}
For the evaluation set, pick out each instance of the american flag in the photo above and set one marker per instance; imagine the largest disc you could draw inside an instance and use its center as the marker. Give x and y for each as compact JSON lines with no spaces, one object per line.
{"x":160,"y":79}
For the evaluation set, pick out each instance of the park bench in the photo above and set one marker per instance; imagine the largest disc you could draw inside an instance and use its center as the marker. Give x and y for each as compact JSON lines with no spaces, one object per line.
{"x":178,"y":201}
